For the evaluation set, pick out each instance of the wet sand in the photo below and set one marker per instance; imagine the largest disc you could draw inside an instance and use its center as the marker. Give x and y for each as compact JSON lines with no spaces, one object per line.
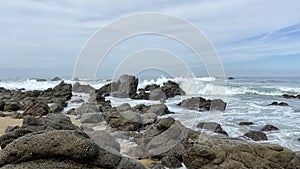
{"x":8,"y":121}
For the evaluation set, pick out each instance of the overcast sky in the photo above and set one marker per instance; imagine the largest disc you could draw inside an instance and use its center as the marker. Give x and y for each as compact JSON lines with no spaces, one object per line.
{"x":249,"y":35}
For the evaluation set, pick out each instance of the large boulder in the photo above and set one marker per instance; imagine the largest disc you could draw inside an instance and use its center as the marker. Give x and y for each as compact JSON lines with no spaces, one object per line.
{"x":2,"y":104}
{"x":79,"y":88}
{"x":124,"y":121}
{"x":202,"y":151}
{"x":37,"y":109}
{"x":49,"y":145}
{"x":126,"y":86}
{"x":172,"y":89}
{"x":159,"y":109}
{"x":12,"y":105}
{"x":201,"y":104}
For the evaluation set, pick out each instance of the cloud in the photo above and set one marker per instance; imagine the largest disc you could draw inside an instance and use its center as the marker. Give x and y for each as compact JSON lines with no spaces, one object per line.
{"x":241,"y":30}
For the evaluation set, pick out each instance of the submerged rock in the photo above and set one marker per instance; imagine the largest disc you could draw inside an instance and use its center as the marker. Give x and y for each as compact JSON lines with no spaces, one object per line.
{"x":269,"y":127}
{"x":246,"y":123}
{"x":278,"y":104}
{"x":256,"y":135}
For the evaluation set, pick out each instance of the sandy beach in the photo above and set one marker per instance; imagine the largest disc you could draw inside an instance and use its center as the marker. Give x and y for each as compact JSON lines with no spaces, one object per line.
{"x":8,"y":121}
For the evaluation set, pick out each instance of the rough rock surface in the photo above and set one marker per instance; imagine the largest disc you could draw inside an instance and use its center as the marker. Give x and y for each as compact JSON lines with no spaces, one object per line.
{"x":203,"y":152}
{"x":256,"y":135}
{"x":201,"y":104}
{"x":79,"y":88}
{"x":126,"y":86}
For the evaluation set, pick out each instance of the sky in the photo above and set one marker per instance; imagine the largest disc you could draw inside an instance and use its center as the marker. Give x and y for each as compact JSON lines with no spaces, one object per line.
{"x":251,"y":37}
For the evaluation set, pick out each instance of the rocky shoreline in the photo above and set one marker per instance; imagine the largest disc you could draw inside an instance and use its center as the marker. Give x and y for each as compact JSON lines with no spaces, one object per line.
{"x":48,"y":139}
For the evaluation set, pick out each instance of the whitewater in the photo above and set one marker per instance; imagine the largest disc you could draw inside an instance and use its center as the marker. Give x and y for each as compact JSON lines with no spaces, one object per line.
{"x":247,"y":99}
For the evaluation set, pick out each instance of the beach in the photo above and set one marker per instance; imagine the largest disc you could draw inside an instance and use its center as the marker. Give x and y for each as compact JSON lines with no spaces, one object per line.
{"x":161,"y":124}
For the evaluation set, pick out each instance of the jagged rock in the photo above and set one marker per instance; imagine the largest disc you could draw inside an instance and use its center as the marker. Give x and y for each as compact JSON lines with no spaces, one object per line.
{"x":246,"y":123}
{"x":156,"y":166}
{"x":56,"y":108}
{"x":171,"y":162}
{"x":79,"y":88}
{"x":126,"y":86}
{"x":256,"y":135}
{"x":38,"y":109}
{"x":124,"y":121}
{"x":172,"y":89}
{"x":142,"y":95}
{"x":269,"y":127}
{"x":203,"y":151}
{"x":212,"y":126}
{"x":201,"y":104}
{"x":152,"y":87}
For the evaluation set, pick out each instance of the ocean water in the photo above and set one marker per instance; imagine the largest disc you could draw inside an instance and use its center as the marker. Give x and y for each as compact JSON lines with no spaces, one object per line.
{"x":247,"y":100}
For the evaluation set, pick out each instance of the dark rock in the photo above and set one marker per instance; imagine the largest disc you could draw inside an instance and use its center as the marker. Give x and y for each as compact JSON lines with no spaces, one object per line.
{"x":256,"y":135}
{"x":172,"y":89}
{"x":201,"y":104}
{"x":246,"y":123}
{"x":142,"y":95}
{"x":56,"y":79}
{"x":124,"y":121}
{"x":127,"y":86}
{"x":156,"y":166}
{"x":230,"y":78}
{"x":152,"y":87}
{"x":41,"y":80}
{"x":278,"y":104}
{"x":269,"y":127}
{"x":141,"y":108}
{"x":2,"y":114}
{"x":289,"y":96}
{"x":159,"y":109}
{"x":12,"y":106}
{"x":212,"y":126}
{"x":92,"y":118}
{"x":202,"y":151}
{"x":78,"y":88}
{"x":38,"y":109}
{"x":71,"y":111}
{"x":2,"y":105}
{"x":49,"y":164}
{"x":105,"y":90}
{"x":171,"y":162}
{"x":56,"y":108}
{"x":127,"y":163}
{"x":40,"y":145}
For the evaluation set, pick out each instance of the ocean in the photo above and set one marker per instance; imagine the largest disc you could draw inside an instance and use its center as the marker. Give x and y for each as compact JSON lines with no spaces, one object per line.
{"x":247,"y":99}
